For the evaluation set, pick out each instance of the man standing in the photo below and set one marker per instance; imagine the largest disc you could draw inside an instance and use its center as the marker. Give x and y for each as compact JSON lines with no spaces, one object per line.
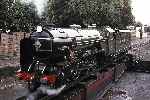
{"x":140,"y":33}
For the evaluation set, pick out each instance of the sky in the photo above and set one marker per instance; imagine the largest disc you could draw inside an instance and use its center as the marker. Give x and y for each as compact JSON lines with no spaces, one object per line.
{"x":141,"y":10}
{"x":39,"y":4}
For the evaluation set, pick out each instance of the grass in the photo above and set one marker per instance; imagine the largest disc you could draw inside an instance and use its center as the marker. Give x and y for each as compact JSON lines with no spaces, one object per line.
{"x":7,"y":72}
{"x":5,"y":57}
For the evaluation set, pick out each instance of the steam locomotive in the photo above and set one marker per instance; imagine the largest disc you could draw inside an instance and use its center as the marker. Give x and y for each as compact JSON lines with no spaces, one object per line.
{"x":61,"y":57}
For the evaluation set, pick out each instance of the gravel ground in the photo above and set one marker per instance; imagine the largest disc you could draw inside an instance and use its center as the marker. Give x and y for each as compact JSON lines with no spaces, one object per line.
{"x":132,"y":86}
{"x":11,"y":62}
{"x":141,"y":48}
{"x":10,"y":88}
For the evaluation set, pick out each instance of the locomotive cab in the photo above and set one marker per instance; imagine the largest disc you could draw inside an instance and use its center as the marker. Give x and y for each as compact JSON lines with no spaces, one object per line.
{"x":50,"y":44}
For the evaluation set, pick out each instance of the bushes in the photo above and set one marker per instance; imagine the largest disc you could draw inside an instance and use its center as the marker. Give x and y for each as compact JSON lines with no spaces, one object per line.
{"x":8,"y":71}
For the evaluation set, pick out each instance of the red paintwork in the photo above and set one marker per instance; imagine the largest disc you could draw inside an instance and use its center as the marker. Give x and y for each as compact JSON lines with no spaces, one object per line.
{"x":24,"y":76}
{"x":100,"y":82}
{"x":50,"y":78}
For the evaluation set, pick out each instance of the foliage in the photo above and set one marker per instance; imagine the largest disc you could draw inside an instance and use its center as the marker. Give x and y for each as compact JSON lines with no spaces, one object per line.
{"x":62,"y":13}
{"x":115,"y":13}
{"x":17,"y":16}
{"x":7,"y":71}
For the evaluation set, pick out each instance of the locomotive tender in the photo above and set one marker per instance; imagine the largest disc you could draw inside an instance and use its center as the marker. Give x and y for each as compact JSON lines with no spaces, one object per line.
{"x":61,"y":57}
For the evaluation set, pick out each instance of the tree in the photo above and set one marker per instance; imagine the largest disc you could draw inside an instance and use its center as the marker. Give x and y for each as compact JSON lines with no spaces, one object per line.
{"x":126,"y":14}
{"x":5,"y":12}
{"x":18,"y":16}
{"x":114,"y":13}
{"x":25,"y":16}
{"x":62,"y":13}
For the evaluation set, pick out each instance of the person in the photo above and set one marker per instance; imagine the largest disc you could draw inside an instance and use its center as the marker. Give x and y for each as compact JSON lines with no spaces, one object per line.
{"x":140,"y":33}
